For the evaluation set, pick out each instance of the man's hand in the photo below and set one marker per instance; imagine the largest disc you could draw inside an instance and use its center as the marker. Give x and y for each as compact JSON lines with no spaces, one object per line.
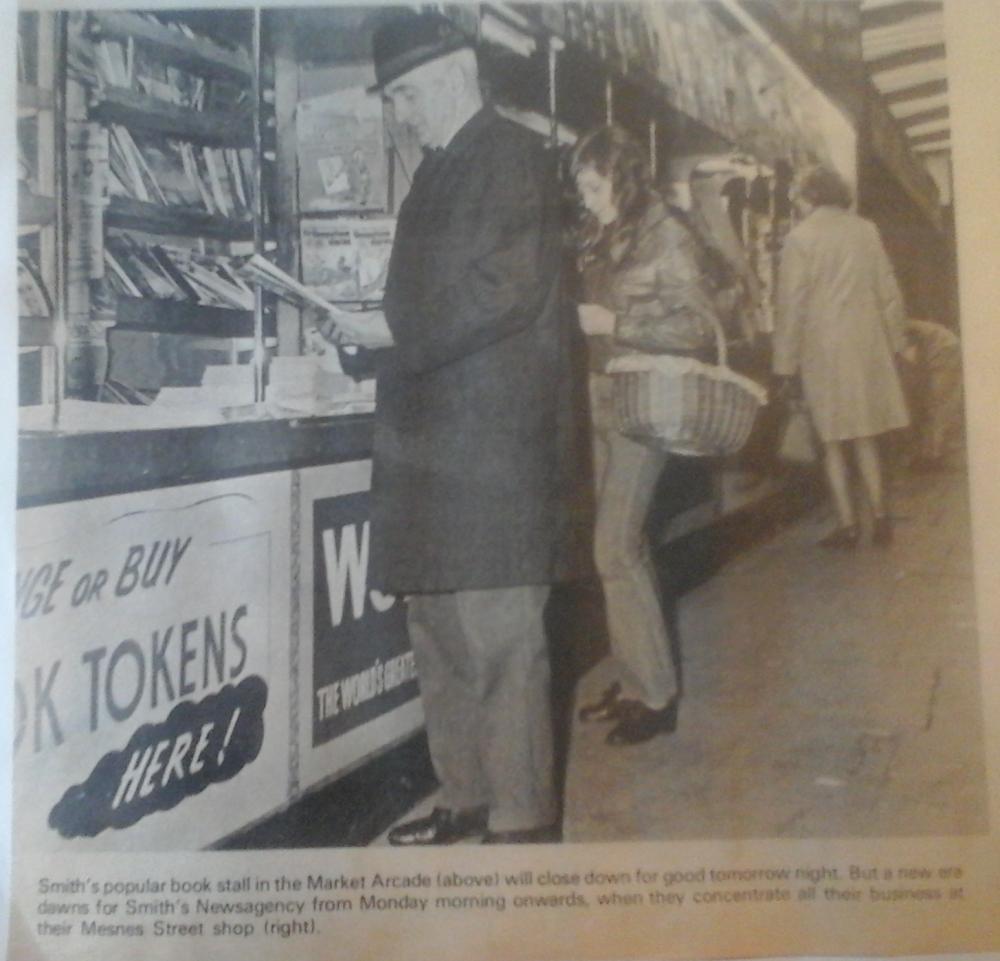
{"x":596,"y":320}
{"x":366,"y":328}
{"x":321,"y":322}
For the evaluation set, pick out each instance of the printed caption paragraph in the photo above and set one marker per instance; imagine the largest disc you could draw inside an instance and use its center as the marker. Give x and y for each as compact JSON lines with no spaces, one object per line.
{"x":289,"y":905}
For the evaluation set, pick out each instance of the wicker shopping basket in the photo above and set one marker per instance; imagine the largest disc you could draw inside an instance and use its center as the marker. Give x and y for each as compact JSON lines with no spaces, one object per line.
{"x":684,"y":406}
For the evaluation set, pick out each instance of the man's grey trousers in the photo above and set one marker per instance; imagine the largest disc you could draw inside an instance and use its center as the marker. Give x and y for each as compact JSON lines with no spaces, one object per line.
{"x":483,"y":664}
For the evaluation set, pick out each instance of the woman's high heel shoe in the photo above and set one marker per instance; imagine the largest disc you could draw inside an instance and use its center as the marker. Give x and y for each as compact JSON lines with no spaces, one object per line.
{"x":843,"y":538}
{"x":605,"y":708}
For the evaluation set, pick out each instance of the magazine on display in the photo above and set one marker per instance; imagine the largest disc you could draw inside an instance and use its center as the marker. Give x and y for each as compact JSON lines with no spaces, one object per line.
{"x":217,"y":723}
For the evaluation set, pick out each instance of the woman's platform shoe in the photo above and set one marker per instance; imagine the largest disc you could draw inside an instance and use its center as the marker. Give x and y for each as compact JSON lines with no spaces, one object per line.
{"x":603,"y":709}
{"x":638,"y":723}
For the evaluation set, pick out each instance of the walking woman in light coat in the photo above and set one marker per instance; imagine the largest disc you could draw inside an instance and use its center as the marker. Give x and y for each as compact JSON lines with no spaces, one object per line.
{"x":840,"y":321}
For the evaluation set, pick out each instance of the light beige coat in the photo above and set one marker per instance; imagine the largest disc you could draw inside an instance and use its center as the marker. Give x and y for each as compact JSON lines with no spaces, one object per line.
{"x":839,"y":322}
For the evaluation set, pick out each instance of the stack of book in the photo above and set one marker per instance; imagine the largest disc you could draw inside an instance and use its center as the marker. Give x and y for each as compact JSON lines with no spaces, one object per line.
{"x":163,"y":272}
{"x":174,"y":173}
{"x":311,"y":386}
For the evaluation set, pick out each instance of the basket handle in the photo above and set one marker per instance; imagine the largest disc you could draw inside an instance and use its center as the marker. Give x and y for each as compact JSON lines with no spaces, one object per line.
{"x":721,"y":349}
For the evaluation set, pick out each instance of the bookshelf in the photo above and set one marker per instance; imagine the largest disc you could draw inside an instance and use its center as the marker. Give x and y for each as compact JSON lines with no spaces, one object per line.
{"x":179,"y":97}
{"x":38,"y":273}
{"x":199,"y":54}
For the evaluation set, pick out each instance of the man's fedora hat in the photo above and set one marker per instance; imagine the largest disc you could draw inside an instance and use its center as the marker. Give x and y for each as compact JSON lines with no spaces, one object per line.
{"x":410,"y":39}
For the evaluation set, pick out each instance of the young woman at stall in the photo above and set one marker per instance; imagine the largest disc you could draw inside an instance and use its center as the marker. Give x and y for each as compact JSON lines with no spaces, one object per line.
{"x":840,"y":321}
{"x":644,"y":291}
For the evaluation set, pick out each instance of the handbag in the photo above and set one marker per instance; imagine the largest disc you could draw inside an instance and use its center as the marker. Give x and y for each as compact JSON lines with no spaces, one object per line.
{"x":685,"y":406}
{"x":798,"y":444}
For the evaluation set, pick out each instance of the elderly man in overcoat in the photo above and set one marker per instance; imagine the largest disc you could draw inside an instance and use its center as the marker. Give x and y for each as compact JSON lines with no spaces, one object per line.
{"x":474,"y":450}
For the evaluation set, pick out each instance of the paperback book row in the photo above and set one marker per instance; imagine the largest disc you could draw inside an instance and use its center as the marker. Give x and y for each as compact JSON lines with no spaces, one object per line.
{"x":344,"y":262}
{"x":110,"y":63}
{"x":168,"y":272}
{"x":173,"y":173}
{"x":150,"y":271}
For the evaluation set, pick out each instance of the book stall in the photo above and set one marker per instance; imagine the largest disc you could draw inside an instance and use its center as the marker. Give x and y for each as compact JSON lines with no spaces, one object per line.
{"x":198,"y":646}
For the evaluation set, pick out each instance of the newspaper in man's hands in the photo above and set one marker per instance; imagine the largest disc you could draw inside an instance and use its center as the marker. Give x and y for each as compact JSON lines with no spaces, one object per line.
{"x":260,"y":270}
{"x":338,"y":324}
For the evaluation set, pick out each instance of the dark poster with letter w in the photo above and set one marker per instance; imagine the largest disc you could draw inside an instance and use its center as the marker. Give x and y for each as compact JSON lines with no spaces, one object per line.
{"x":362,"y":663}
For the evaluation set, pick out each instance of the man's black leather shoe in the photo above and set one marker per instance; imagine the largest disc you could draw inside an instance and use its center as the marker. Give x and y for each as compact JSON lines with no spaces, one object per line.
{"x":639,"y":723}
{"x":441,"y":826}
{"x":549,"y":834}
{"x":603,"y":709}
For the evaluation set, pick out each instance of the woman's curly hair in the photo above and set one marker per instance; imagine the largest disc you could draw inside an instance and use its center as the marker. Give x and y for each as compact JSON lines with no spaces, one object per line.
{"x":612,"y":153}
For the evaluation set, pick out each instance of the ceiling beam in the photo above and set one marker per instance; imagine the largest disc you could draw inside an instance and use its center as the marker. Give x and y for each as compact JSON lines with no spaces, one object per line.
{"x":943,"y":127}
{"x":930,"y":88}
{"x":904,"y":109}
{"x":893,"y":13}
{"x":935,"y":137}
{"x":924,"y":116}
{"x":906,"y":58}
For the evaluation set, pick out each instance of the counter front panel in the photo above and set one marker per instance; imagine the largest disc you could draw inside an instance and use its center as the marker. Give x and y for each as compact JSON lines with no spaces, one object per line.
{"x":193,"y":657}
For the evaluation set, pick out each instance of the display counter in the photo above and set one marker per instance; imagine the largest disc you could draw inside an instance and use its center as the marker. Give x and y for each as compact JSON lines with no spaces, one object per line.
{"x":55,"y":467}
{"x":197,"y":642}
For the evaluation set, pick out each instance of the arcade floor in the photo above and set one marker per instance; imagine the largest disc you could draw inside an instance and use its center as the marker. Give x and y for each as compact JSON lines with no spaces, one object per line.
{"x":825,"y":694}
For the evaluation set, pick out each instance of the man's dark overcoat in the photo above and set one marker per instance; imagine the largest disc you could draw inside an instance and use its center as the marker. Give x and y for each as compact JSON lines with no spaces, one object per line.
{"x":475,"y":454}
